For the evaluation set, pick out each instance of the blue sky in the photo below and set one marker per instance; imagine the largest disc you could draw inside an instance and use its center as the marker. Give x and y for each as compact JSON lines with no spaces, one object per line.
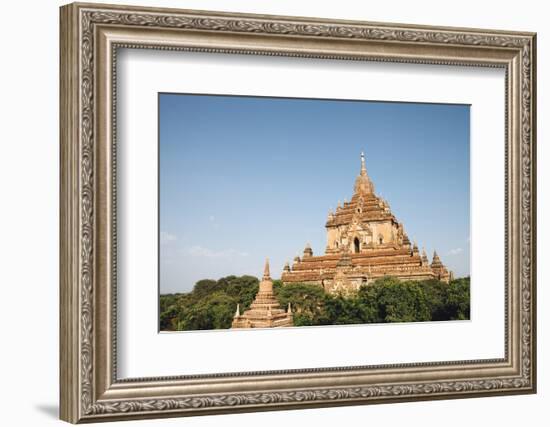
{"x":245,"y":178}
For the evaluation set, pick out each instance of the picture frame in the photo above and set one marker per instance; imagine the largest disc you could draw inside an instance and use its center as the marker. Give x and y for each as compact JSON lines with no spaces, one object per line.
{"x":91,"y":35}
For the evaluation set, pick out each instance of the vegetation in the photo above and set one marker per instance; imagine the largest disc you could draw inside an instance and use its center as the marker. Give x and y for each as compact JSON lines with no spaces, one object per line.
{"x":211,"y":304}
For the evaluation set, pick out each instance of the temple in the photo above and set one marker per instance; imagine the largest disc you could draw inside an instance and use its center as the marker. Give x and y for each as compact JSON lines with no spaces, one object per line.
{"x":364,"y":242}
{"x":265,"y":311}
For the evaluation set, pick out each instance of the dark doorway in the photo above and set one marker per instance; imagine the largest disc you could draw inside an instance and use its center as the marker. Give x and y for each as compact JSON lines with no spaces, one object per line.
{"x":356,"y":245}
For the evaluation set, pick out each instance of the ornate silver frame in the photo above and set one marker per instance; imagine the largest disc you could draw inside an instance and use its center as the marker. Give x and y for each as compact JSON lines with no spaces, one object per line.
{"x":90,"y":36}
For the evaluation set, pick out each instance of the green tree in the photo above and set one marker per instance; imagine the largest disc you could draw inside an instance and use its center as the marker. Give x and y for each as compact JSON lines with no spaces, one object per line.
{"x":341,"y":310}
{"x":167,"y":318}
{"x":435,"y":294}
{"x":458,"y":299}
{"x":307,"y":302}
{"x":205,"y":287}
{"x":391,"y":300}
{"x":243,"y":289}
{"x":215,"y":311}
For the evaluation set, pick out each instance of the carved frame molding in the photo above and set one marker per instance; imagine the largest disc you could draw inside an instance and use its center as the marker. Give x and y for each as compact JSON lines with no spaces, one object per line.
{"x":90,"y":36}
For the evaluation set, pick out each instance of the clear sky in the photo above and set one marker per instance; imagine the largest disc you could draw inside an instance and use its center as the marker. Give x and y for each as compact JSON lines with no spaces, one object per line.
{"x":245,"y":178}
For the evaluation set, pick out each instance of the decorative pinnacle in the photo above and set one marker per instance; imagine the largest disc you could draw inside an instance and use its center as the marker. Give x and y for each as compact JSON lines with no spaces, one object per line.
{"x":289,"y":310}
{"x":266,"y":270}
{"x":238,"y":312}
{"x":424,"y":257}
{"x":286,"y":267}
{"x":363,"y":167}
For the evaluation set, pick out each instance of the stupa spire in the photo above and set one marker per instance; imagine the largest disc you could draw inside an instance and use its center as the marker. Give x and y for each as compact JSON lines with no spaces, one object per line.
{"x":267,"y":276}
{"x":265,"y":311}
{"x":363,"y":184}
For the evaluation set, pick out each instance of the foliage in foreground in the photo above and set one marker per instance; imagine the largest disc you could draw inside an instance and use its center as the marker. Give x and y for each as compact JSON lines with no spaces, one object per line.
{"x":211,"y":304}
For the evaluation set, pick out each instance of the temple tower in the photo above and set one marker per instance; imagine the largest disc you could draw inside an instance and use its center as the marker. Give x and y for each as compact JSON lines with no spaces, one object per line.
{"x":363,"y":224}
{"x":265,"y":311}
{"x":365,"y":241}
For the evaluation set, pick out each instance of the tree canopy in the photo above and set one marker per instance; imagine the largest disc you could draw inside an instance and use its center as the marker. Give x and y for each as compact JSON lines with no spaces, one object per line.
{"x":212,"y":303}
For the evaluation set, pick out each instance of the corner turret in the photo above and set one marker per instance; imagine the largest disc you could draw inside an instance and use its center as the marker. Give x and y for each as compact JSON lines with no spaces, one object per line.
{"x":308,"y":252}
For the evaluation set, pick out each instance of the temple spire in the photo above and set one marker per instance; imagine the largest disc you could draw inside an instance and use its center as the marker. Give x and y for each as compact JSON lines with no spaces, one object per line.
{"x":363,"y":167}
{"x":363,"y":184}
{"x":267,"y":276}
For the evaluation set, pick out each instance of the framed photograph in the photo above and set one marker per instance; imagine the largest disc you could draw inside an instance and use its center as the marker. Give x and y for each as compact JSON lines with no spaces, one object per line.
{"x":266,"y":212}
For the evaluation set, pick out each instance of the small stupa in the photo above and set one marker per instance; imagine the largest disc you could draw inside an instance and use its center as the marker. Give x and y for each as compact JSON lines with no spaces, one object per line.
{"x":439,"y":269}
{"x":265,"y":311}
